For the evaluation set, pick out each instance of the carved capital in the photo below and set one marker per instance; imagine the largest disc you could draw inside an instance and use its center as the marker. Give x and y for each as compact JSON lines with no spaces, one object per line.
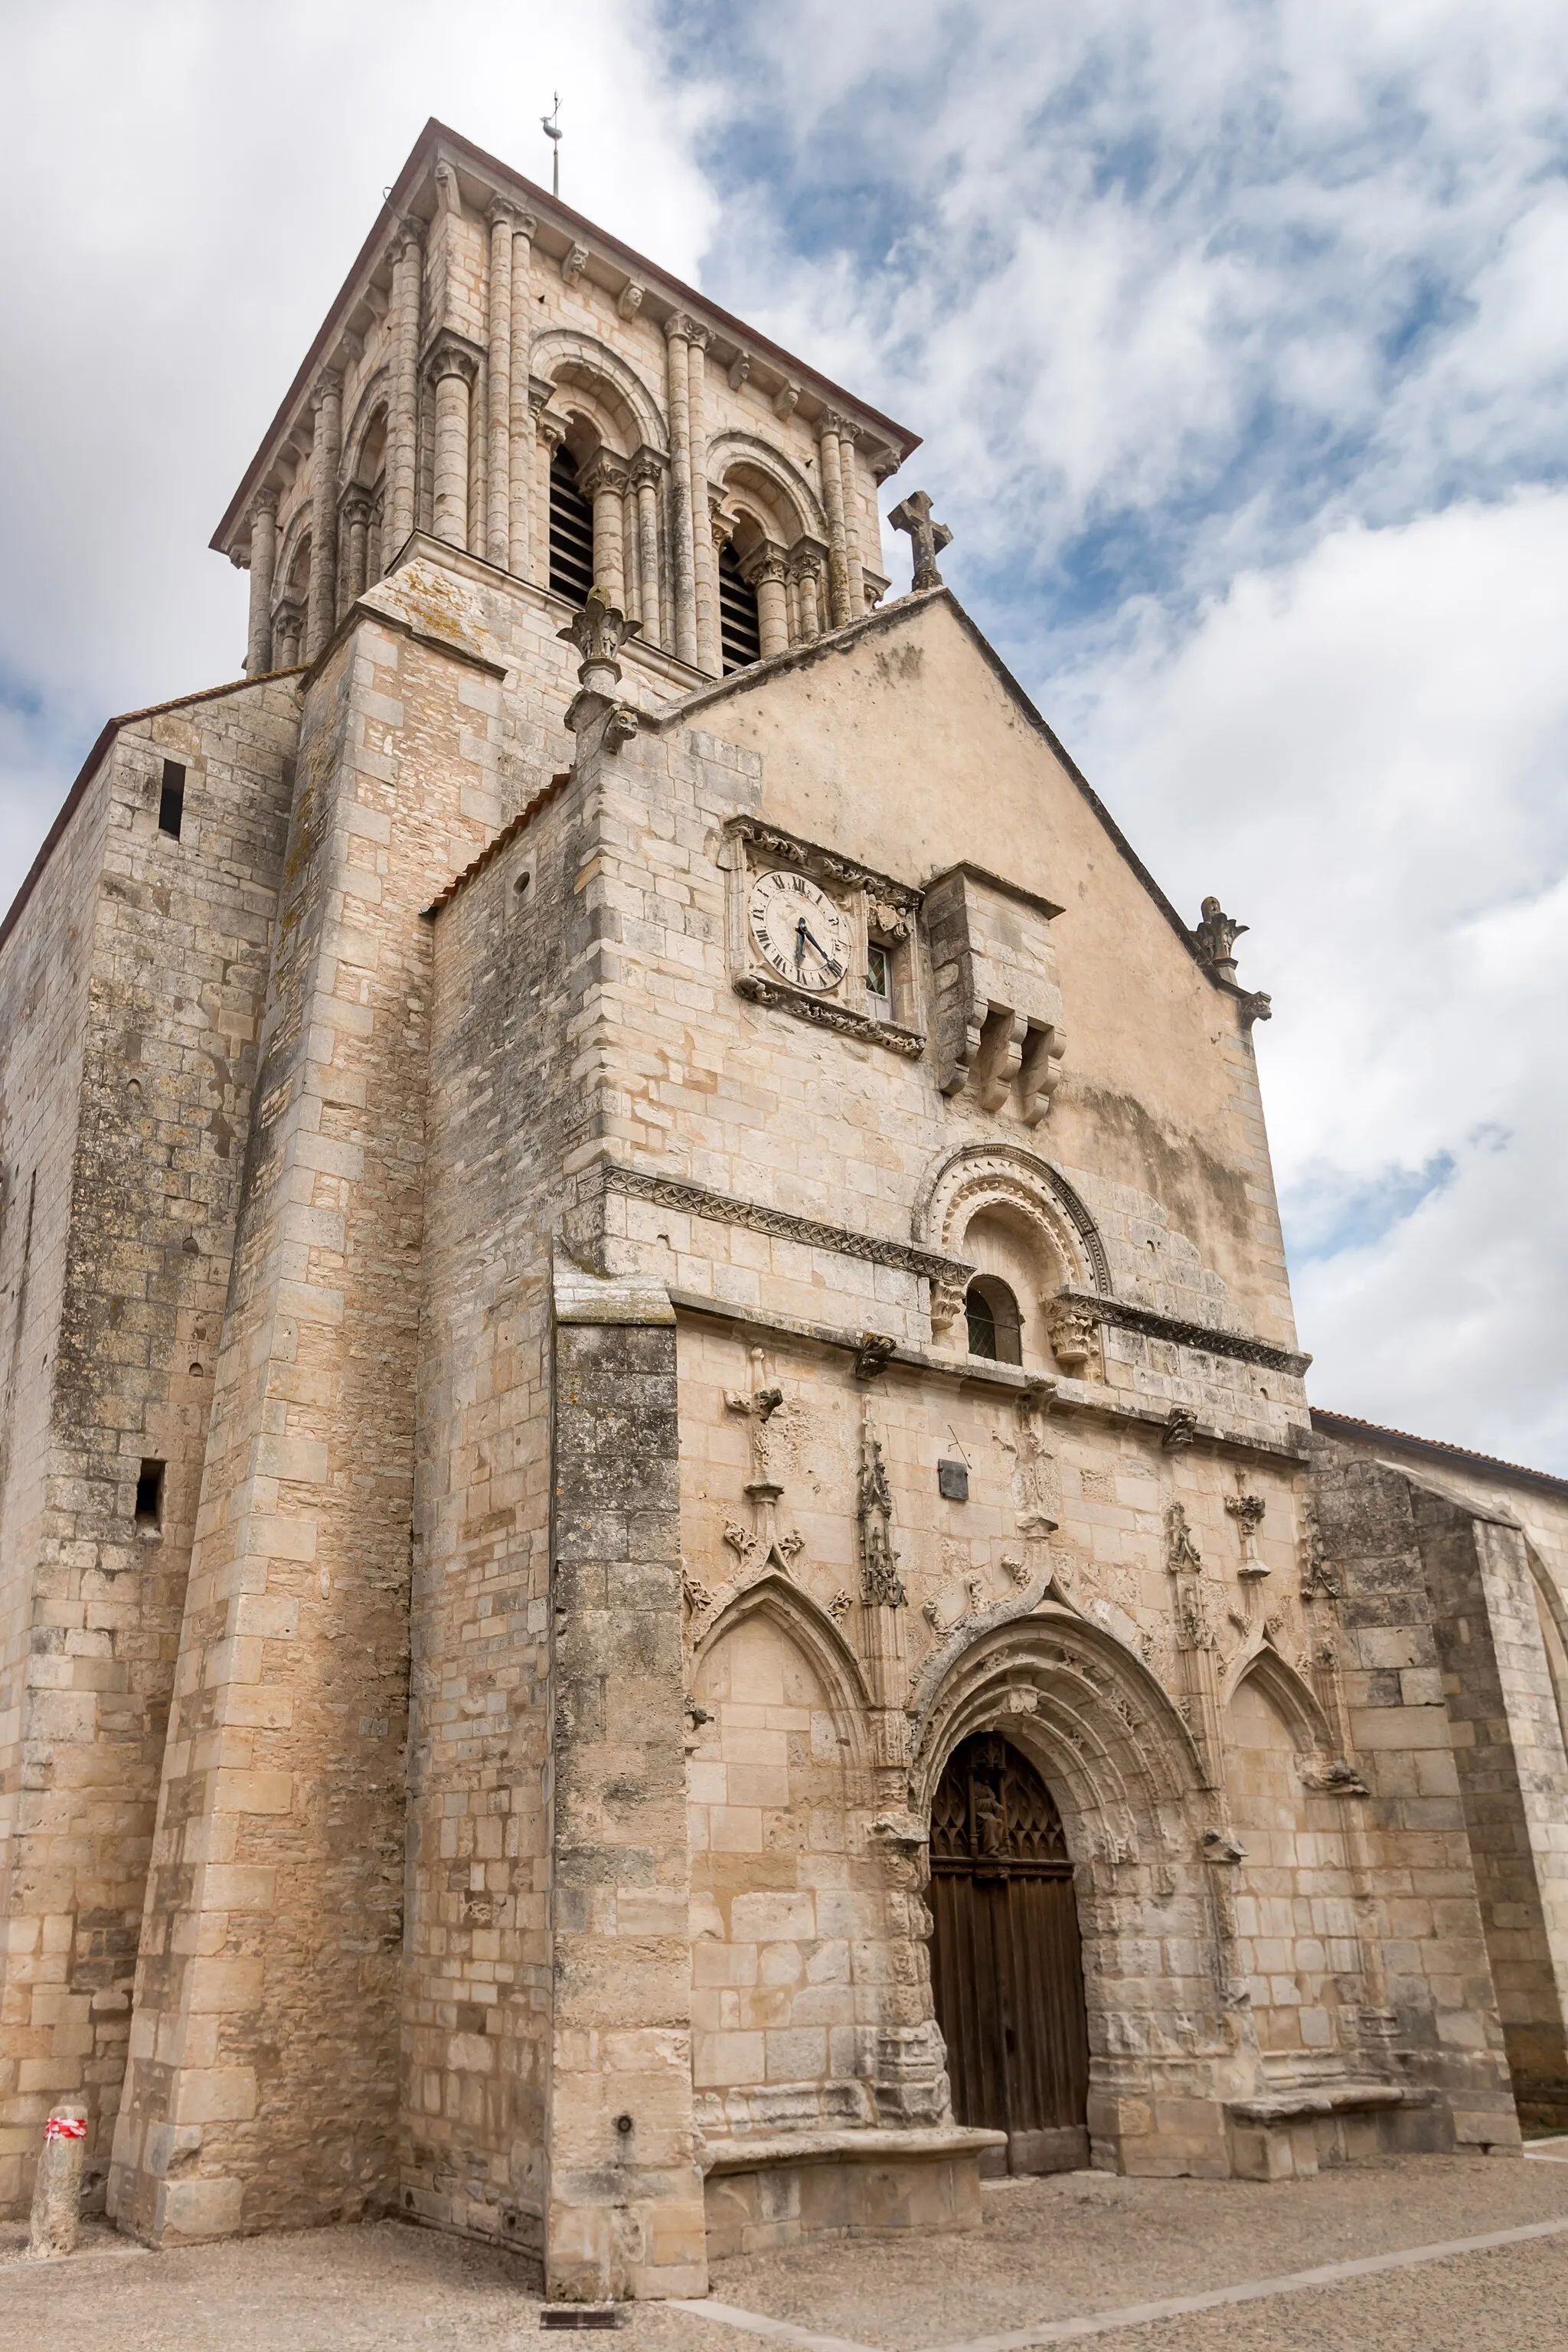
{"x":1071,"y":1323}
{"x":356,"y":504}
{"x":765,"y":562}
{"x":552,"y":428}
{"x":946,"y":1303}
{"x":604,"y":471}
{"x":264,"y":502}
{"x":329,"y":385}
{"x":646,"y":467}
{"x":408,"y":236}
{"x":504,"y":213}
{"x":452,"y":357}
{"x":690,"y":329}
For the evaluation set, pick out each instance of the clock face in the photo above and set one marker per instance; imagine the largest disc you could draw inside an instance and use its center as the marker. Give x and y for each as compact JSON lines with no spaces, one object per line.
{"x":798,"y":931}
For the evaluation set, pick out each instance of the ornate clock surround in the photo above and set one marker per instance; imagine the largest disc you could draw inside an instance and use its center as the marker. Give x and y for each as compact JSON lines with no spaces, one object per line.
{"x":876,"y":910}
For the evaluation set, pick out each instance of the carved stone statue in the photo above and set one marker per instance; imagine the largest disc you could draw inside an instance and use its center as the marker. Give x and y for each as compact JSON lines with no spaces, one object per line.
{"x":1217,"y":936}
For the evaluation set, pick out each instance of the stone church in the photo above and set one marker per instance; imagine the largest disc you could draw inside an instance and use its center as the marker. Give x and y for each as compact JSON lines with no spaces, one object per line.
{"x":666,"y":1581}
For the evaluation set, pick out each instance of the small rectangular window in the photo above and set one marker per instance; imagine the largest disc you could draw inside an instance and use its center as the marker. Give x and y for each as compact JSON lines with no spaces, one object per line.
{"x":172,"y":799}
{"x":150,"y":1496}
{"x":878,"y":982}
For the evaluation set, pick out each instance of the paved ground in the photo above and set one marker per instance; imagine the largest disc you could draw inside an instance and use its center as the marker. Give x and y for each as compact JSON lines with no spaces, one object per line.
{"x":1050,"y":2252}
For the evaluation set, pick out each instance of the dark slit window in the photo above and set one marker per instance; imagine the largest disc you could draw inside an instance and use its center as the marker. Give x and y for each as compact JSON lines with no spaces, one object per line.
{"x":172,"y":799}
{"x":150,"y":1496}
{"x":740,"y":636}
{"x":570,"y":531}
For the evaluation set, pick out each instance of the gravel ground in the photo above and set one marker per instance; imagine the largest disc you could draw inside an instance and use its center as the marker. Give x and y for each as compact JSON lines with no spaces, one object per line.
{"x":1079,"y":2244}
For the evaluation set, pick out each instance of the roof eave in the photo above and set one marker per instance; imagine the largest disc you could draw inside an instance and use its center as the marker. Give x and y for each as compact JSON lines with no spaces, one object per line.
{"x":435,"y":139}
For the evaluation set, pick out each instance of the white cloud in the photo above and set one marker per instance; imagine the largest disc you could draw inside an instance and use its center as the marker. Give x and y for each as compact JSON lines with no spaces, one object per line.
{"x":1365,"y":753}
{"x":1235,"y":332}
{"x":189,"y":184}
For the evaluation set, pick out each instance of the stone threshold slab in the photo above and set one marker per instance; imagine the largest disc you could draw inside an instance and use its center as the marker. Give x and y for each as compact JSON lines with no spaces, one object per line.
{"x":854,"y":2146}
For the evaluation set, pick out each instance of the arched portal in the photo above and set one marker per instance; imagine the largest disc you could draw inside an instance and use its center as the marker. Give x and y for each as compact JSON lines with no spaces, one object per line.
{"x":1007,"y":1957}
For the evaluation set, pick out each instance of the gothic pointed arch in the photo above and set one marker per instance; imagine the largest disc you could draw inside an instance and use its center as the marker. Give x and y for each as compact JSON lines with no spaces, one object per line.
{"x":813,"y":1632}
{"x":614,"y":396}
{"x":1292,"y":1699}
{"x":1121,"y":1763}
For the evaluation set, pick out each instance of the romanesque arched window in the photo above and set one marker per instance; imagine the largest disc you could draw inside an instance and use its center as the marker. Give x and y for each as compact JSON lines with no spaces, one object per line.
{"x":740,"y":631}
{"x":570,"y":531}
{"x":996,"y":1326}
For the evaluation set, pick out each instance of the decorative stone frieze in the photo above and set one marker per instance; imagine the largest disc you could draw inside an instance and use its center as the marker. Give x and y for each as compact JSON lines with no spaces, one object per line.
{"x":758,"y":1217}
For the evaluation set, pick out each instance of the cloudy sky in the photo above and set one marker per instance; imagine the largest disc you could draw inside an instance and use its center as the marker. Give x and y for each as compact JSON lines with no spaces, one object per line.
{"x":1236,"y":333}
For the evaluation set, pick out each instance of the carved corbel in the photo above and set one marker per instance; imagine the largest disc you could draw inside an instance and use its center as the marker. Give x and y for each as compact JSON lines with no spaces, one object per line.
{"x":573,"y":262}
{"x":629,"y":301}
{"x":1337,"y":1779}
{"x":873,"y":1355}
{"x":1040,"y":1073}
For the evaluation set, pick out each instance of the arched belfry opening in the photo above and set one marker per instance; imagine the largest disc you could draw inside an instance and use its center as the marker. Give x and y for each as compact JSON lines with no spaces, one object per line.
{"x":740,"y":626}
{"x":1006,"y":1959}
{"x":571,"y":531}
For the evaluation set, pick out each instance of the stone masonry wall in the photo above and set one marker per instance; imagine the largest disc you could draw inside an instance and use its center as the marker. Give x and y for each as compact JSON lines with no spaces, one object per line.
{"x":625,"y":2198}
{"x":511,"y":964}
{"x":263,"y":2081}
{"x":1432,"y":2002}
{"x":1508,"y":1745}
{"x":180,"y":932}
{"x":43,"y":1023}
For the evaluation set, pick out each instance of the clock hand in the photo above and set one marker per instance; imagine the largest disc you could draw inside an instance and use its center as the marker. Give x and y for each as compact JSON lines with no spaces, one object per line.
{"x":822,"y":951}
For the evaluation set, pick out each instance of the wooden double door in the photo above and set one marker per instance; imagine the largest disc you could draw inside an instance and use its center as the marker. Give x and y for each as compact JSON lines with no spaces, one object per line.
{"x":1007,"y":1963}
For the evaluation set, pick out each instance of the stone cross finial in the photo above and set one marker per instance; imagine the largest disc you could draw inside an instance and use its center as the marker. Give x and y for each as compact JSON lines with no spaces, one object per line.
{"x":928,"y":538}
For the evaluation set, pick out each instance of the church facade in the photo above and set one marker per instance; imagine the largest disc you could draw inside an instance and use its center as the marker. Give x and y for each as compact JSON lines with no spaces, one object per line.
{"x":665,"y":1582}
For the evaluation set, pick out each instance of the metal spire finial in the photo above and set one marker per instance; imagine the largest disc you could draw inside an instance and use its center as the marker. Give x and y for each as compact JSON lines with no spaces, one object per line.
{"x":550,"y":126}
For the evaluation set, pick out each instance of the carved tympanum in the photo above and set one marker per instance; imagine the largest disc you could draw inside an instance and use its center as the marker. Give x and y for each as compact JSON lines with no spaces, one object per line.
{"x":992,"y":1810}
